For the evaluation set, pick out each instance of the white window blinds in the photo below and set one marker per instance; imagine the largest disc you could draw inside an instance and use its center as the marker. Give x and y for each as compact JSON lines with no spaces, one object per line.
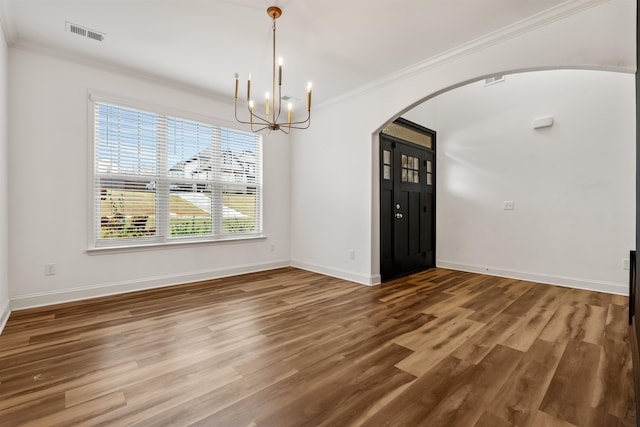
{"x":162,"y":178}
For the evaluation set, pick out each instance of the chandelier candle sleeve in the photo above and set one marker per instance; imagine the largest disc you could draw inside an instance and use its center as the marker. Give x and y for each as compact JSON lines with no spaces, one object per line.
{"x":309,"y":97}
{"x":236,"y":76}
{"x":267,"y":103}
{"x":249,"y":88}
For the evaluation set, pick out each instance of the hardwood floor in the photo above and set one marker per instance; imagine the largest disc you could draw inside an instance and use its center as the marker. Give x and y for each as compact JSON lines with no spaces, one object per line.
{"x":293,"y":348}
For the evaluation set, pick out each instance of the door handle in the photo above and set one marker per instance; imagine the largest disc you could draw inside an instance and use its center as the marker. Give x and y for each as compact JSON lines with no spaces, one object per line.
{"x":399,"y":215}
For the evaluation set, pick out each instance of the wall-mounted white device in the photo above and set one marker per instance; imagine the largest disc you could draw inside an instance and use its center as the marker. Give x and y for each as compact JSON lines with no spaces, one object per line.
{"x":542,"y":122}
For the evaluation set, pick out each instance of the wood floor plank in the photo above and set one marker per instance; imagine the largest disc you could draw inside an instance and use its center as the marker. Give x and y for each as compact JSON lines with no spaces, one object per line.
{"x":435,"y":341}
{"x":613,"y":378}
{"x":30,"y":392}
{"x":469,"y":396}
{"x":617,"y":321}
{"x":32,"y":410}
{"x":482,"y":342}
{"x":489,"y":420}
{"x":579,"y":321}
{"x":188,"y":409}
{"x":413,"y":405}
{"x":318,"y":402}
{"x":488,"y":304}
{"x":531,"y":298}
{"x":546,"y":420}
{"x":81,"y":413}
{"x":143,"y":401}
{"x":570,"y":392}
{"x":518,"y":400}
{"x":288,"y":347}
{"x":533,"y":322}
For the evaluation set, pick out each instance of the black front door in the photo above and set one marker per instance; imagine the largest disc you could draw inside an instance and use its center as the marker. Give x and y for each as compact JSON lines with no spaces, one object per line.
{"x":407,"y":203}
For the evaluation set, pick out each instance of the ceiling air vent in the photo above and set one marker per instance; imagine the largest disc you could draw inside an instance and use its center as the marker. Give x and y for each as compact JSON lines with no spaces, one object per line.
{"x":493,"y":80}
{"x":291,"y":99}
{"x":84,"y":32}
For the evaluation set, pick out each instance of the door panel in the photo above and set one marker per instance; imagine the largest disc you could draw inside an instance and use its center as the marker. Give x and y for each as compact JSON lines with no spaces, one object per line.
{"x":409,"y":197}
{"x":407,"y":207}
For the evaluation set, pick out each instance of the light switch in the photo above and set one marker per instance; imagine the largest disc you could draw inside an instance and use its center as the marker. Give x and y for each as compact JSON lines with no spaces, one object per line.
{"x":507,"y":205}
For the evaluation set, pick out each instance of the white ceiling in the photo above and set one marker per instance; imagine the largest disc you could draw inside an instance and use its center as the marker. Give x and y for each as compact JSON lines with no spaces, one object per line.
{"x":339,"y":45}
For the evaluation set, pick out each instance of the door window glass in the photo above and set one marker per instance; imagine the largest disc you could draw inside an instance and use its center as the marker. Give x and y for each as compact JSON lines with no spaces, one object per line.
{"x":410,"y":169}
{"x":386,"y":164}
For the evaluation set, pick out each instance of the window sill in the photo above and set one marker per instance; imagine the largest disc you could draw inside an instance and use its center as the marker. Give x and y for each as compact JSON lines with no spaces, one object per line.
{"x":170,"y":245}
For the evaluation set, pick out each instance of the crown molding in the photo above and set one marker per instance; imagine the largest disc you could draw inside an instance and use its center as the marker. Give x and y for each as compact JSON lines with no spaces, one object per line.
{"x":124,"y":70}
{"x":556,"y":13}
{"x":546,"y":17}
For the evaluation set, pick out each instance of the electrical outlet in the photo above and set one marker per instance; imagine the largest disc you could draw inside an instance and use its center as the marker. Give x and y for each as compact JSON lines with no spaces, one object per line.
{"x":352,"y":254}
{"x":49,"y":269}
{"x":625,"y":264}
{"x":507,"y":205}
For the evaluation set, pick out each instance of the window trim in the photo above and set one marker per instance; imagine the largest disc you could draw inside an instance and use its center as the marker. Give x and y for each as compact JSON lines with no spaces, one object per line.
{"x":120,"y":245}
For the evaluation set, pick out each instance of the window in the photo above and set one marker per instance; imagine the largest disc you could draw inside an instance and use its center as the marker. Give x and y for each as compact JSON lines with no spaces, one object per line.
{"x":159,"y":179}
{"x":386,"y":161}
{"x":410,"y":169}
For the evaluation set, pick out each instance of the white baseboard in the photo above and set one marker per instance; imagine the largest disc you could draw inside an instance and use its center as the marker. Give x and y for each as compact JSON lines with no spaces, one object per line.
{"x":5,"y":312}
{"x":20,"y":302}
{"x":569,"y":282}
{"x":369,"y":280}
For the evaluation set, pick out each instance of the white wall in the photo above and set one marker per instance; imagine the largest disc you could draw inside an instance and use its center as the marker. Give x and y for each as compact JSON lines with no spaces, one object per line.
{"x":573,"y":185}
{"x":334,"y":164}
{"x":4,"y":184}
{"x":48,"y":201}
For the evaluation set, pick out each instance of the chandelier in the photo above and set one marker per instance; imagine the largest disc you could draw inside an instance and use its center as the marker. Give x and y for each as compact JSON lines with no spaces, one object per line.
{"x":271,"y":118}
